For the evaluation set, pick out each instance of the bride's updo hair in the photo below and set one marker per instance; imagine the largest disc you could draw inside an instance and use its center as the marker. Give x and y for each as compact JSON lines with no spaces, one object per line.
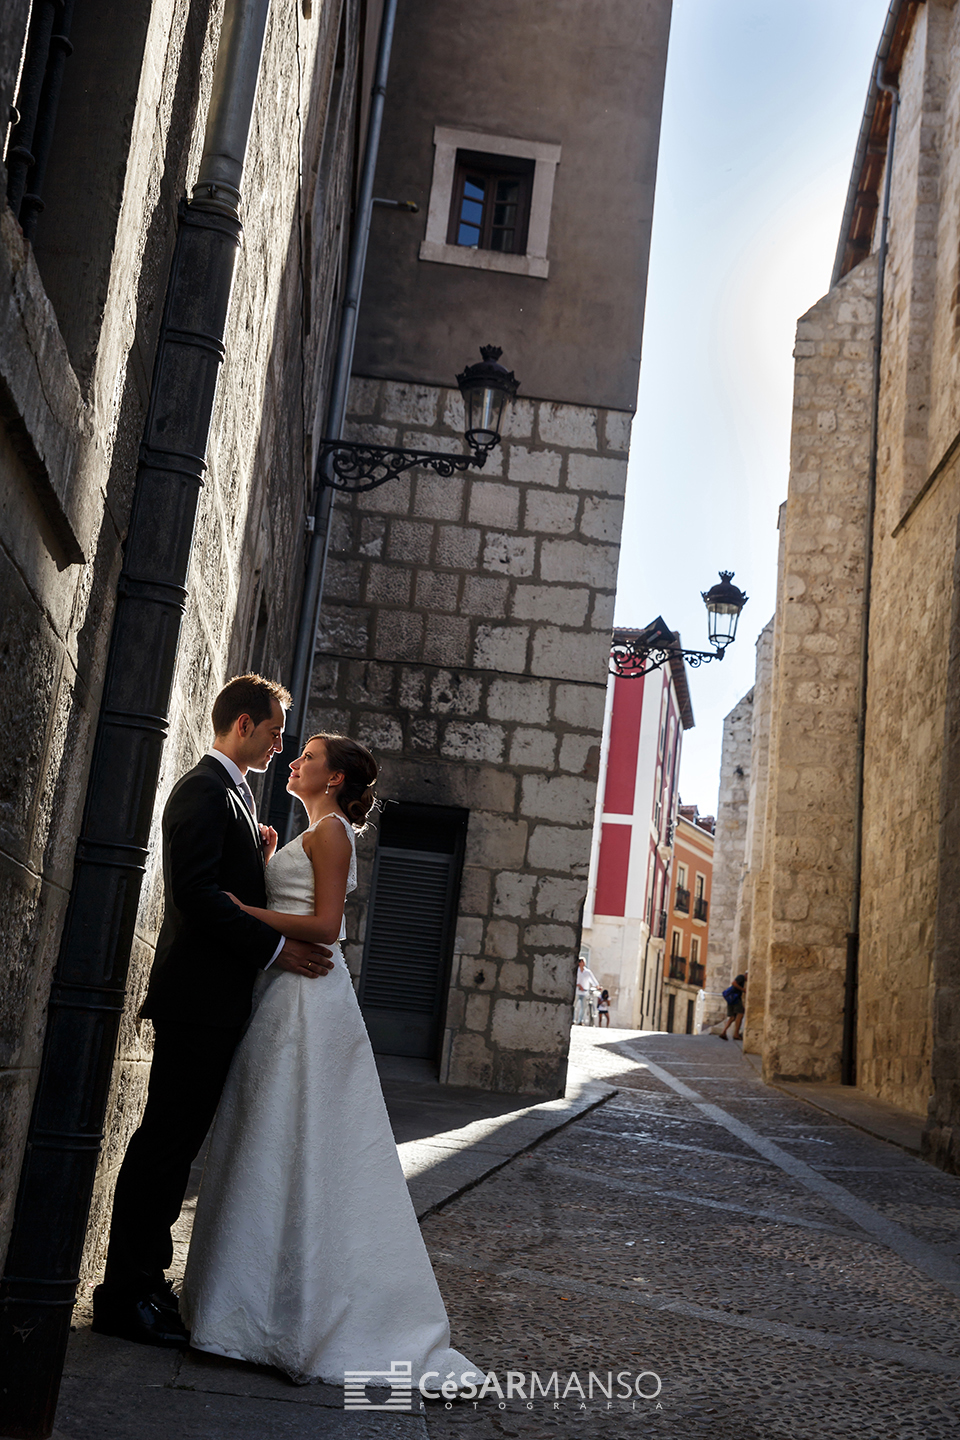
{"x":356,"y":798}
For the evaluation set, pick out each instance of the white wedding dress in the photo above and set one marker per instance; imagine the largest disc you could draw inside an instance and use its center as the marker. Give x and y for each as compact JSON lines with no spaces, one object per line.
{"x":306,"y":1251}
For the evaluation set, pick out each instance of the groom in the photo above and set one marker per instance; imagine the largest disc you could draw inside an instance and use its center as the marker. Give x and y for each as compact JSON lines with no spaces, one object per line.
{"x":208,"y":955}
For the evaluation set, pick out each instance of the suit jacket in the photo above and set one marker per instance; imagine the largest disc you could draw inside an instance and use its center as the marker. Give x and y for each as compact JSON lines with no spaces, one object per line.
{"x":209,"y":951}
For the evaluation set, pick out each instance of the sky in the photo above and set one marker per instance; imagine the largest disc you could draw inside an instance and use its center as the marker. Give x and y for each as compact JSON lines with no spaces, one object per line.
{"x":761,"y":113}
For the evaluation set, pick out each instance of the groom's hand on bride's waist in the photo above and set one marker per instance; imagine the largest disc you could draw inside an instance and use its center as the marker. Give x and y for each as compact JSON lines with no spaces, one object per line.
{"x":300,"y":958}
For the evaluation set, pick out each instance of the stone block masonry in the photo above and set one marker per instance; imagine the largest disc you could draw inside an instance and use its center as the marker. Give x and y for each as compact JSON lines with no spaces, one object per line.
{"x":729,"y":855}
{"x":75,"y":366}
{"x":811,"y":807}
{"x":464,"y":638}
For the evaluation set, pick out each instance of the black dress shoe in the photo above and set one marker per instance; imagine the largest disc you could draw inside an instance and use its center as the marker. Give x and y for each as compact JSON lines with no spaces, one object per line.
{"x":140,"y":1318}
{"x":165,"y":1297}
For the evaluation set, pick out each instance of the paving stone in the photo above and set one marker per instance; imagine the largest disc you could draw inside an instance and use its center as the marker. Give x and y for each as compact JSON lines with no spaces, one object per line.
{"x":624,"y":1230}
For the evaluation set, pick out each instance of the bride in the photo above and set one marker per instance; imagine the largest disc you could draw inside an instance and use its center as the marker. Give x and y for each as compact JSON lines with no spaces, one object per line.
{"x":306,"y":1251}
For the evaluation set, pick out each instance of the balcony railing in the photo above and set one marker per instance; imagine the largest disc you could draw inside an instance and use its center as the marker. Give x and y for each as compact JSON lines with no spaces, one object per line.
{"x":682,"y":901}
{"x":700,"y":908}
{"x":662,"y":925}
{"x":697,"y":973}
{"x":678,"y":967}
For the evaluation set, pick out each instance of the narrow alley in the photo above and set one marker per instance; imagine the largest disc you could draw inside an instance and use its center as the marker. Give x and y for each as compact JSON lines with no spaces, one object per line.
{"x":769,"y":1270}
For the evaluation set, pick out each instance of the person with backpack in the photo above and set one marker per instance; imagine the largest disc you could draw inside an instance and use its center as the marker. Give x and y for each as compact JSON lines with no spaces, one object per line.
{"x":735,"y":1011}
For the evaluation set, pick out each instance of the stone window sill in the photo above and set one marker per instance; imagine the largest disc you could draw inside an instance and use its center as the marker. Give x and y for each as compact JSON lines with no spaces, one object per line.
{"x":444,"y":254}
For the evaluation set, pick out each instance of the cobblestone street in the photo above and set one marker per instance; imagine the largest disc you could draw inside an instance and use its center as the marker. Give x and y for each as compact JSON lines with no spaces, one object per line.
{"x":783,"y":1274}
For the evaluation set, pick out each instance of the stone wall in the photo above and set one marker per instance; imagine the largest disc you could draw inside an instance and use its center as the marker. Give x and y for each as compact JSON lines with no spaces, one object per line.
{"x":941,"y":1139}
{"x":464,"y":638}
{"x":751,"y":928}
{"x":69,"y":459}
{"x":815,"y":688}
{"x":911,"y":599}
{"x":729,"y":855}
{"x":616,"y":950}
{"x":796,"y":899}
{"x":70,"y":452}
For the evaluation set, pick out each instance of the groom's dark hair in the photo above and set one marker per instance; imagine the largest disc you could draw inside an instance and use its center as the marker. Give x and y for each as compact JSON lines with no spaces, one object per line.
{"x":247,"y":695}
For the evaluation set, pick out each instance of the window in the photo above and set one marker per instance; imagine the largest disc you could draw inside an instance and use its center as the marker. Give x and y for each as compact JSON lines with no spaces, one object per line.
{"x":694,"y":950}
{"x":676,"y":940}
{"x":682,"y":877}
{"x":490,"y":202}
{"x":700,"y":900}
{"x":80,"y":182}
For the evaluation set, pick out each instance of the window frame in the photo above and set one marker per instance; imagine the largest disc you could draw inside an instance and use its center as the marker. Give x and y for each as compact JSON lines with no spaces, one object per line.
{"x":435,"y":245}
{"x":492,"y":172}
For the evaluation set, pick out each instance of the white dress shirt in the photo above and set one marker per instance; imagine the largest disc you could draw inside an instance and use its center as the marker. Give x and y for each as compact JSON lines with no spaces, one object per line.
{"x":240,"y":780}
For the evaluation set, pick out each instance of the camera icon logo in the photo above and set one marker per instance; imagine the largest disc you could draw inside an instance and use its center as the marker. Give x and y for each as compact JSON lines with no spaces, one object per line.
{"x":398,"y":1379}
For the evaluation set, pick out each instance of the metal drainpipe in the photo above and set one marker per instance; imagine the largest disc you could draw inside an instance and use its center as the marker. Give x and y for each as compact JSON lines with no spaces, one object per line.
{"x":32,"y":136}
{"x":848,"y":1053}
{"x":87,"y":995}
{"x":306,"y":640}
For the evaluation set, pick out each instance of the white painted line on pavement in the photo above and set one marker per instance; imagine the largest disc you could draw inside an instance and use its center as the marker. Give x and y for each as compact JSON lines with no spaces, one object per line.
{"x":686,"y":1197}
{"x":927,"y":1258}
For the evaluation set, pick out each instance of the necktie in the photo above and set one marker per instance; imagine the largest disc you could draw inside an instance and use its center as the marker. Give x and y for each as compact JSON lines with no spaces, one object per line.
{"x":247,"y":794}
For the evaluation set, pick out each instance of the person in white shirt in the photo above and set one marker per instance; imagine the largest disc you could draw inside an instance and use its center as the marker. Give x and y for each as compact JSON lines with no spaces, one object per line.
{"x":587,"y":983}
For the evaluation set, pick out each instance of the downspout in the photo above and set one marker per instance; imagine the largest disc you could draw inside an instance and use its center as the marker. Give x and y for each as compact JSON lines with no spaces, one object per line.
{"x":848,"y":1053}
{"x":87,"y":995}
{"x":284,"y":813}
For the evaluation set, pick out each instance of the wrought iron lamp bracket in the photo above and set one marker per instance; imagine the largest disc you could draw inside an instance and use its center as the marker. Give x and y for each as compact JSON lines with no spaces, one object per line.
{"x":627,"y":663}
{"x":355,"y":466}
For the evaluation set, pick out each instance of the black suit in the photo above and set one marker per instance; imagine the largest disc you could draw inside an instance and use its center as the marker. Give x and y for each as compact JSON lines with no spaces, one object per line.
{"x":209,"y":952}
{"x":208,"y":955}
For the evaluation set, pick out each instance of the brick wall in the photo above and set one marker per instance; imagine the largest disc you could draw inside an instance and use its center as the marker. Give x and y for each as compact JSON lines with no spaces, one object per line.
{"x":464,"y":638}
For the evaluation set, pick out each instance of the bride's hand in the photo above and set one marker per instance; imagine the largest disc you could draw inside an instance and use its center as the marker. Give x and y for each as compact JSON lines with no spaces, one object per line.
{"x":239,"y":903}
{"x":268,"y":839}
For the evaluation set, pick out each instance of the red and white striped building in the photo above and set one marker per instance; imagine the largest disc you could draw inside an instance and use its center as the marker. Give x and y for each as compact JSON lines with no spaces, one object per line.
{"x":625,"y":922}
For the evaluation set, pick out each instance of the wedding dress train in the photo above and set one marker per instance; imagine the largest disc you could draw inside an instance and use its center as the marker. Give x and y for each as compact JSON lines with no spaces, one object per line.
{"x":306,"y":1251}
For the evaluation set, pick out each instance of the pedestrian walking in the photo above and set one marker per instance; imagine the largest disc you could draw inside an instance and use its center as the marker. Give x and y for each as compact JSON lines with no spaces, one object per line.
{"x":603,"y":1009}
{"x":586,"y":982}
{"x":735,"y":1009}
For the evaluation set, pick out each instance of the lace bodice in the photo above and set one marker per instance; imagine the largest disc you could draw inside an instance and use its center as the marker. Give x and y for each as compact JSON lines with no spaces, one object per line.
{"x":290,"y":874}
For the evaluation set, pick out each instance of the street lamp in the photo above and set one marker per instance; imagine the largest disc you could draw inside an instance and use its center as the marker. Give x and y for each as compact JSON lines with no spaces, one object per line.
{"x":354,"y":465}
{"x":724,"y":603}
{"x":485,"y":389}
{"x":657,"y":643}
